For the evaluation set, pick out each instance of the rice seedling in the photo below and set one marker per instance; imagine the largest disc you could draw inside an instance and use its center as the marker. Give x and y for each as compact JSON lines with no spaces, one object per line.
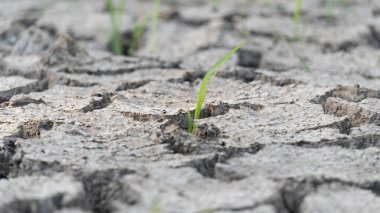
{"x":154,"y":25}
{"x":297,"y":53}
{"x":215,"y":4}
{"x":296,"y":18}
{"x":121,"y":12}
{"x":244,"y":28}
{"x":156,"y":207}
{"x":190,"y":122}
{"x":137,"y":33}
{"x":344,"y":2}
{"x":115,"y":17}
{"x":330,"y":10}
{"x":204,"y":87}
{"x":270,"y":3}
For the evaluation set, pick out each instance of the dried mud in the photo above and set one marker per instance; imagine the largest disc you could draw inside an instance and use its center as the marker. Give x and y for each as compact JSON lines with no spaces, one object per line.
{"x":287,"y":127}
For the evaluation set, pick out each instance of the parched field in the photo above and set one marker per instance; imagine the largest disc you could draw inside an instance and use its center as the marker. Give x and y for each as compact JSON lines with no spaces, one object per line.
{"x":288,"y":126}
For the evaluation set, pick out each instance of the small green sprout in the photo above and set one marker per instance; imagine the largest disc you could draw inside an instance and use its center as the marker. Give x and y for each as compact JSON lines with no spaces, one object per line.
{"x":190,"y":122}
{"x":296,"y":52}
{"x":296,"y":17}
{"x":115,"y":25}
{"x":301,"y":59}
{"x":137,"y":33}
{"x":215,"y":4}
{"x":156,"y":207}
{"x":204,"y":89}
{"x":330,"y":10}
{"x":153,"y":27}
{"x":344,"y":2}
{"x":270,"y":3}
{"x":244,"y":30}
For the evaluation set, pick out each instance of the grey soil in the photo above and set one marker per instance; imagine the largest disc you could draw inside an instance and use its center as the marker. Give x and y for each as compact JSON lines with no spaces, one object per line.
{"x":287,"y":127}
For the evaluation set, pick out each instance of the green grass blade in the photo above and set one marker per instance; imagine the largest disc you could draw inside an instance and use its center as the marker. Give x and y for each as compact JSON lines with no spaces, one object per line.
{"x":156,"y":207}
{"x":244,"y":28}
{"x":138,"y":31}
{"x":121,"y":11}
{"x":296,"y":17}
{"x":207,"y":79}
{"x":295,"y":51}
{"x":215,"y":4}
{"x":154,"y":25}
{"x":190,"y":121}
{"x":330,"y":10}
{"x":270,"y":3}
{"x":344,"y":2}
{"x":116,"y":35}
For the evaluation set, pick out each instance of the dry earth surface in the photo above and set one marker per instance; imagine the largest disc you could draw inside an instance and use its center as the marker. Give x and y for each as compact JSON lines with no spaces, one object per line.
{"x":287,"y":127}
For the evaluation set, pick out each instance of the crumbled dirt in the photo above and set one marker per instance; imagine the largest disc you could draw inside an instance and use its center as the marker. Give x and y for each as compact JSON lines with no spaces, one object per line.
{"x":288,"y":126}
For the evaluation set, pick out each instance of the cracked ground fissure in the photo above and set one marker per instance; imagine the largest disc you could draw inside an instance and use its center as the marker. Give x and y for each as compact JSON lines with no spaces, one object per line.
{"x":83,"y":130}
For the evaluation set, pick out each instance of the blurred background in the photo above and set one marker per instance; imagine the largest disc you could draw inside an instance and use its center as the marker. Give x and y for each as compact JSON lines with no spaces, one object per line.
{"x":302,"y":38}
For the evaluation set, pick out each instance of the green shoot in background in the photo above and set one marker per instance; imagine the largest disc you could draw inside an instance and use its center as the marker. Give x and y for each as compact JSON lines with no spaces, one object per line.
{"x":116,"y":17}
{"x":156,"y":207}
{"x":215,"y":4}
{"x":270,"y":3}
{"x":190,"y":122}
{"x":330,"y":10}
{"x":137,"y":33}
{"x":153,"y":27}
{"x":121,"y":10}
{"x":296,"y":17}
{"x":203,"y":88}
{"x":296,"y":52}
{"x":244,"y":28}
{"x":344,"y":2}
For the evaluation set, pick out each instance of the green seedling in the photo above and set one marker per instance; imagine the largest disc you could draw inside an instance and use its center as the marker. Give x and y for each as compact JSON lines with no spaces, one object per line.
{"x":215,"y":4}
{"x":296,"y":18}
{"x":190,"y":122}
{"x":156,"y":207}
{"x":115,"y":17}
{"x":344,"y":2}
{"x":244,"y":30}
{"x":330,"y":10}
{"x":121,"y":9}
{"x":137,"y":33}
{"x":154,"y":25}
{"x":204,"y":87}
{"x":295,"y":52}
{"x":270,"y":3}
